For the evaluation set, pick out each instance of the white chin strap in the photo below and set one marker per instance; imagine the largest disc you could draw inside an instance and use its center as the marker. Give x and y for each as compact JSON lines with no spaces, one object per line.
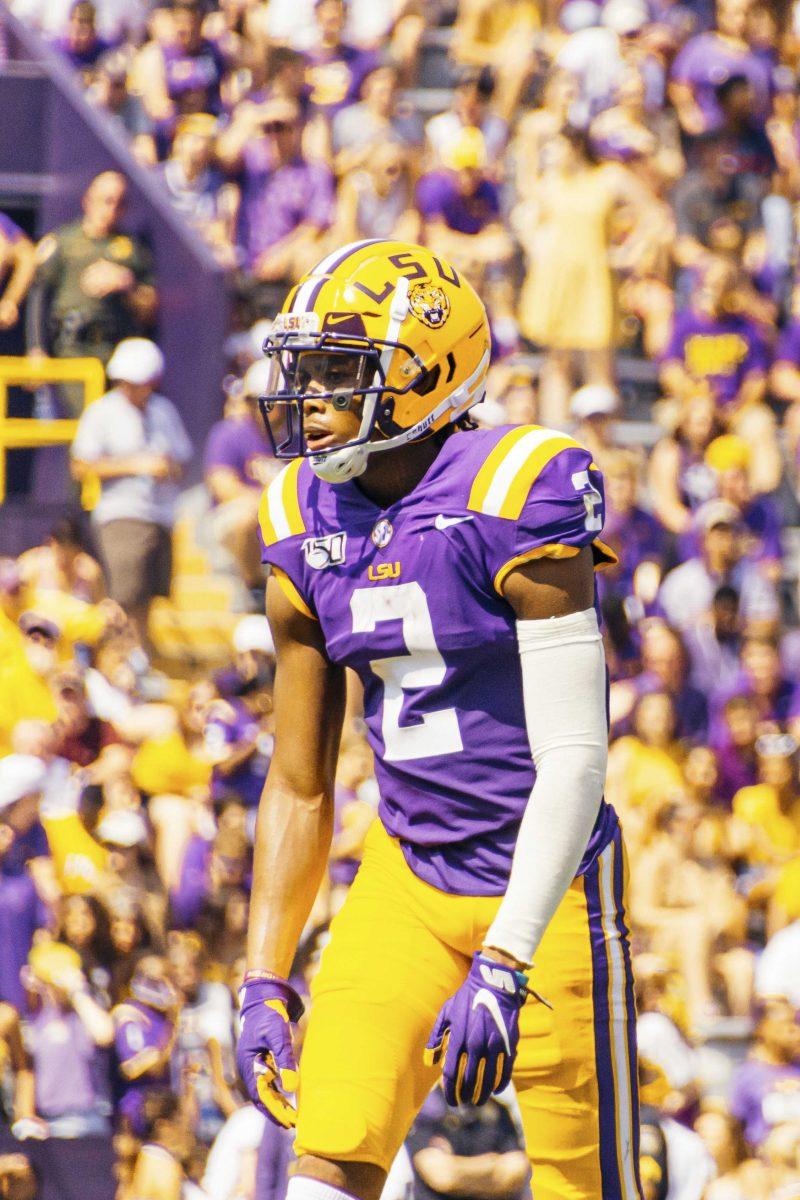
{"x":337,"y":466}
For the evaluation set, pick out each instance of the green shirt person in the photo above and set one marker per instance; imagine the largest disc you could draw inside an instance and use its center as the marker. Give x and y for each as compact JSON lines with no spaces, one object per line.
{"x":94,"y":283}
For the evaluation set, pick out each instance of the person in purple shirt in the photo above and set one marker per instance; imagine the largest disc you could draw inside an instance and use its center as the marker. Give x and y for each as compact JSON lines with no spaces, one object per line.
{"x":777,"y":698}
{"x":240,"y":750}
{"x":765,"y":1089}
{"x":208,"y":872}
{"x":334,"y":70}
{"x":17,"y":269}
{"x":238,"y":463}
{"x":286,"y":202}
{"x":714,"y":346}
{"x":733,"y":738}
{"x":144,"y":1031}
{"x":708,"y":60}
{"x":784,"y":378}
{"x":729,"y":457}
{"x":636,"y":536}
{"x":68,"y":1037}
{"x":81,"y":45}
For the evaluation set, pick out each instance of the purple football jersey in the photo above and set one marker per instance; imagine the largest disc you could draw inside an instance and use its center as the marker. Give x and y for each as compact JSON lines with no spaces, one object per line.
{"x":410,"y":598}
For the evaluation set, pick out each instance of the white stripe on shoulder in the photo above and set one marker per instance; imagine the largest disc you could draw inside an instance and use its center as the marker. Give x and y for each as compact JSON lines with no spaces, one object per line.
{"x":511,"y":464}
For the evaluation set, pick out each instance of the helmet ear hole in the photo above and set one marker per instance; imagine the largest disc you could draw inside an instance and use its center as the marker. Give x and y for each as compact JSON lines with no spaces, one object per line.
{"x":428,"y":381}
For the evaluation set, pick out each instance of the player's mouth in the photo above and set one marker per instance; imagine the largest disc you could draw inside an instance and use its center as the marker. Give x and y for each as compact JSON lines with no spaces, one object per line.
{"x":318,"y":439}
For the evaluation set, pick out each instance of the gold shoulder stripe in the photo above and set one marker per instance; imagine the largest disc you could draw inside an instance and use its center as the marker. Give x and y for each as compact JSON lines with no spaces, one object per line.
{"x":279,"y":514}
{"x":502,"y":485}
{"x":488,"y":471}
{"x":291,"y":593}
{"x":603,"y":555}
{"x":527,"y":475}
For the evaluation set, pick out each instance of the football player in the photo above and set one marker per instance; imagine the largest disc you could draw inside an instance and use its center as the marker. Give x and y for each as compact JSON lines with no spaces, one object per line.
{"x":452,"y":569}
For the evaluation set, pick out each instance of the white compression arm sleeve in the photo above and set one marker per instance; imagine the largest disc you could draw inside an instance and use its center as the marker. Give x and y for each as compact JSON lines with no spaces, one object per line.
{"x":564,"y":691}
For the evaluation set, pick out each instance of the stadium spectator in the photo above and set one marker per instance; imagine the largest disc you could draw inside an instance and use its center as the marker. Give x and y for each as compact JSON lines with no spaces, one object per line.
{"x":764,"y":1089}
{"x":286,"y":202}
{"x":566,"y":303}
{"x":238,"y":463}
{"x":17,"y":269}
{"x":470,"y":109}
{"x":71,"y":1075}
{"x":460,"y":211}
{"x":180,"y":71}
{"x":469,"y":1152}
{"x":61,"y":564}
{"x":360,"y":129}
{"x":709,"y":59}
{"x":109,"y":92}
{"x":334,"y":69}
{"x":688,"y":591}
{"x":377,"y":201}
{"x":134,"y":441}
{"x":196,"y":188}
{"x":81,"y":45}
{"x":94,"y":283}
{"x":503,"y":40}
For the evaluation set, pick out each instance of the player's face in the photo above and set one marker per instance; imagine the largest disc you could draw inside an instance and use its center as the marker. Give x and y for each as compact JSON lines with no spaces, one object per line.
{"x":335,"y":420}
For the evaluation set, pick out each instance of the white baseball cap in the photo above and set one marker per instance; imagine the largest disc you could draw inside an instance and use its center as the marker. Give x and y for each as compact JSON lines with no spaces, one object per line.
{"x":136,"y":360}
{"x":21,"y":775}
{"x":253,"y":633}
{"x":624,"y":16}
{"x":122,"y":827}
{"x":593,"y":400}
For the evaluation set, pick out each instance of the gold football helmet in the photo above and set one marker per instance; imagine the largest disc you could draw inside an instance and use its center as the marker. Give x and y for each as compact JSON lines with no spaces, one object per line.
{"x":395,"y":333}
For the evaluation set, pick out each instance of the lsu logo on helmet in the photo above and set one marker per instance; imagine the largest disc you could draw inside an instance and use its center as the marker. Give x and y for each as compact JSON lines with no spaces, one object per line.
{"x":399,"y":338}
{"x":429,"y":304}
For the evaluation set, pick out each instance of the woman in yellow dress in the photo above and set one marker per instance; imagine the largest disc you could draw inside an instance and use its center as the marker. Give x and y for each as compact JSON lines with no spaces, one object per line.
{"x":567,"y":303}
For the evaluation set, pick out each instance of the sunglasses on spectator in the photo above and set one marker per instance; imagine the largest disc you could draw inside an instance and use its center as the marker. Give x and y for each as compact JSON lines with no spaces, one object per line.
{"x":41,"y":636}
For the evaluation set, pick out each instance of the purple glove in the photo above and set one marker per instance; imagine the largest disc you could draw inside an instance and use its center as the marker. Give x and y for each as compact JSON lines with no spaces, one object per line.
{"x":268,"y":1007}
{"x":477,"y":1032}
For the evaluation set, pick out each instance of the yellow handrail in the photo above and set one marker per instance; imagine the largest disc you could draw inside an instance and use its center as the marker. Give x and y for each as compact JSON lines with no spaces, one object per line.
{"x":26,"y":433}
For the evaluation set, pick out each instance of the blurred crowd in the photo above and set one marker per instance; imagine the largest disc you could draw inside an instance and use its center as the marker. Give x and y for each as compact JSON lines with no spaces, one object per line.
{"x":621,"y":180}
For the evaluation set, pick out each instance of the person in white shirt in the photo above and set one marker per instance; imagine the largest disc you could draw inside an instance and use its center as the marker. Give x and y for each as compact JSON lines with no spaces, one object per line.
{"x":778,"y":968}
{"x":133,"y":440}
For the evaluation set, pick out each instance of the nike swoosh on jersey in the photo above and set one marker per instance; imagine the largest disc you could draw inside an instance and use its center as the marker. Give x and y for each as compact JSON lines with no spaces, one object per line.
{"x":487,"y":999}
{"x":443,"y":522}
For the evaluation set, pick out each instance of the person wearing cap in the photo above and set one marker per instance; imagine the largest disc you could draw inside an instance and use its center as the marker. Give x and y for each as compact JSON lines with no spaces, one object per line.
{"x":134,"y":441}
{"x":68,"y":1035}
{"x":730,"y":458}
{"x":238,"y":464}
{"x":470,"y":109}
{"x":688,"y":591}
{"x":94,"y":283}
{"x":460,"y":210}
{"x":23,"y":845}
{"x":196,"y":189}
{"x":593,"y":409}
{"x":253,"y":666}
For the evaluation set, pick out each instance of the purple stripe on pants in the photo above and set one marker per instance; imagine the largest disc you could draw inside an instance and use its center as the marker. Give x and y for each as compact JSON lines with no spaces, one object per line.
{"x":613,"y":1185}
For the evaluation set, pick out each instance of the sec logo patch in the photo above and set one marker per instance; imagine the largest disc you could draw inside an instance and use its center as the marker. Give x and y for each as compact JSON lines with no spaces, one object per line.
{"x":382,"y":534}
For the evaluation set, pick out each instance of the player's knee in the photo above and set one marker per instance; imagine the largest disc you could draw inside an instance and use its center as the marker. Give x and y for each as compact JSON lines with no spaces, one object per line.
{"x":325,"y":1179}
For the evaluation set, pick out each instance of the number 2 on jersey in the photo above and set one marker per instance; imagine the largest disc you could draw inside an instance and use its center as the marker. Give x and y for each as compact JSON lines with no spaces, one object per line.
{"x":422,"y":667}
